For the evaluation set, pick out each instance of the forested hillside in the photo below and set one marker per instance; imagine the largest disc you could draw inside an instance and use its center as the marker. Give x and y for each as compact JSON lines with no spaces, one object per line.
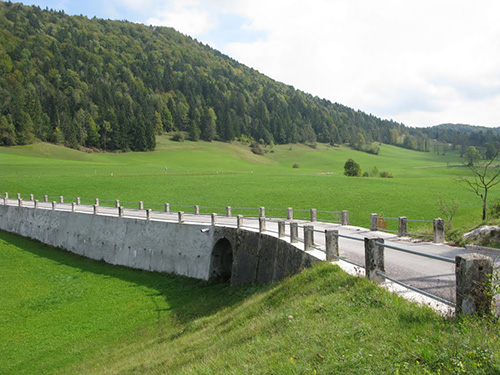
{"x":114,"y":84}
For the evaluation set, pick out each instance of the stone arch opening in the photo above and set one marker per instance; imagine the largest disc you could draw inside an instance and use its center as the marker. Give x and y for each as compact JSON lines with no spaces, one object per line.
{"x":221,"y":264}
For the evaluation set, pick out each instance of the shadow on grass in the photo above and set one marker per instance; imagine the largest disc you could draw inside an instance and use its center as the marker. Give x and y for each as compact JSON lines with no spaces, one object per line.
{"x":188,"y":298}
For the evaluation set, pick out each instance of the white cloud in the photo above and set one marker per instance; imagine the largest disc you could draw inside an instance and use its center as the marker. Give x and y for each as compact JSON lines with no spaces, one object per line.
{"x":412,"y":61}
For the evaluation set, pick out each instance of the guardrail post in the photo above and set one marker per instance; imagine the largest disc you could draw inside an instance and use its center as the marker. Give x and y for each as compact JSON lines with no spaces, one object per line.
{"x":262,"y":224}
{"x":61,"y":199}
{"x":308,"y":237}
{"x":262,"y":212}
{"x":345,"y":218}
{"x":373,"y":222}
{"x":228,"y":211}
{"x":96,"y":202}
{"x":73,"y":206}
{"x":96,"y":209}
{"x":117,"y":203}
{"x":35,"y":203}
{"x":294,"y":232}
{"x":167,"y":208}
{"x":32,"y":197}
{"x":214,"y":219}
{"x":438,"y":225}
{"x":374,"y":259}
{"x":314,"y":214}
{"x":239,"y":221}
{"x":20,"y":202}
{"x":403,"y":226}
{"x":141,"y":205}
{"x":474,"y":290}
{"x":54,"y":205}
{"x":331,"y":244}
{"x":148,"y":214}
{"x":281,"y":228}
{"x":77,"y":201}
{"x":121,"y":211}
{"x":196,"y":210}
{"x":46,"y":198}
{"x":180,"y":215}
{"x":289,"y":213}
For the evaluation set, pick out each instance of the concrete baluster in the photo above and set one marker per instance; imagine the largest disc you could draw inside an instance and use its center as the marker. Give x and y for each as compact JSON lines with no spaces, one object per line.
{"x":46,"y":198}
{"x":438,"y":225}
{"x":180,"y":215}
{"x":78,"y":201}
{"x":474,"y":291}
{"x":141,"y":205}
{"x":54,"y":205}
{"x":345,"y":218}
{"x":148,"y":214}
{"x":32,"y":197}
{"x":196,"y":210}
{"x":402,"y":226}
{"x":331,"y":244}
{"x":239,"y":221}
{"x":96,"y":209}
{"x":214,"y":219}
{"x":96,"y":202}
{"x":262,"y":224}
{"x":117,"y":203}
{"x":61,"y":199}
{"x":308,"y":237}
{"x":314,"y":214}
{"x":374,"y":258}
{"x":167,"y":208}
{"x":121,"y":211}
{"x":289,"y":213}
{"x":373,"y":222}
{"x":294,"y":232}
{"x":281,"y":228}
{"x":228,"y":211}
{"x":35,"y":203}
{"x":262,"y":212}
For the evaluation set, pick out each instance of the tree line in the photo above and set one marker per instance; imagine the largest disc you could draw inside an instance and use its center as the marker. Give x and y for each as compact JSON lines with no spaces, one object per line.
{"x":113,"y":85}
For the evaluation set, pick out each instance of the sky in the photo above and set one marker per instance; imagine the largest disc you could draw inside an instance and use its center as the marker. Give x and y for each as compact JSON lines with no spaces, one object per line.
{"x":419,"y":62}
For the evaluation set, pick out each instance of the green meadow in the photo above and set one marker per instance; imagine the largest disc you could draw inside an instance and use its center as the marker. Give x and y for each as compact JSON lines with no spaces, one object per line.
{"x":63,"y":314}
{"x":220,"y":174}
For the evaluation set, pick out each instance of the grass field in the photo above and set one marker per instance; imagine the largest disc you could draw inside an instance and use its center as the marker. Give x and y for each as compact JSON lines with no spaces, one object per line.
{"x":220,"y":174}
{"x":63,"y":314}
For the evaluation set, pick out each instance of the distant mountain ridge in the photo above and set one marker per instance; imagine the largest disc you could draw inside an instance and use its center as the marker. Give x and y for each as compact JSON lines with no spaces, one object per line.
{"x":464,"y":128}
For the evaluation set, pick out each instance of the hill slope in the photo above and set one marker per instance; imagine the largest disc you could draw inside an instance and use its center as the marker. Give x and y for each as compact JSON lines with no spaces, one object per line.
{"x":114,"y":84}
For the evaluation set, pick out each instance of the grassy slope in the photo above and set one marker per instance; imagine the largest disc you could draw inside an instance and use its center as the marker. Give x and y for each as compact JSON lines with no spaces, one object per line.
{"x":64,"y":314}
{"x":220,"y":174}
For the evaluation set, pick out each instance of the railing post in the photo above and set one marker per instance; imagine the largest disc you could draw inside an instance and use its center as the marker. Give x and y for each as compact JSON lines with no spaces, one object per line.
{"x":239,"y":221}
{"x":18,"y":196}
{"x":374,"y":259}
{"x":117,"y":203}
{"x":403,"y":226}
{"x":214,"y":220}
{"x":73,"y":206}
{"x":262,"y":224}
{"x":345,"y":218}
{"x":373,"y":222}
{"x":180,"y":215}
{"x":167,"y":208}
{"x":331,"y":244}
{"x":32,"y":197}
{"x":228,"y":211}
{"x":96,"y":209}
{"x":262,"y":212}
{"x":141,"y":205}
{"x":121,"y":211}
{"x":294,"y":232}
{"x":308,"y":237}
{"x":54,"y":205}
{"x":196,"y":210}
{"x":281,"y":228}
{"x":474,"y":290}
{"x":35,"y":203}
{"x":96,"y":202}
{"x":77,"y":201}
{"x":314,"y":214}
{"x":61,"y":199}
{"x":289,"y":213}
{"x":6,"y":197}
{"x":438,"y":225}
{"x":148,"y":214}
{"x":46,"y":198}
{"x":20,"y":202}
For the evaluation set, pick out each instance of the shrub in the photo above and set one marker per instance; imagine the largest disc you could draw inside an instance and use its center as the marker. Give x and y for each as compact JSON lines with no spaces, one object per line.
{"x":495,"y":209}
{"x":178,"y":137}
{"x":257,"y":149}
{"x":296,"y":166}
{"x":365,"y":174}
{"x":386,"y":175}
{"x":351,"y":168}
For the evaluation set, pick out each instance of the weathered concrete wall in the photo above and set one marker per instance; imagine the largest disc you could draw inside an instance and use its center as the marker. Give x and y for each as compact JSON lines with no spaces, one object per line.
{"x":182,"y":249}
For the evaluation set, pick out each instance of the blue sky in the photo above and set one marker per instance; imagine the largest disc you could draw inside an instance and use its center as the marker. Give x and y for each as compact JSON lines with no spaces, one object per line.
{"x":420,"y":62}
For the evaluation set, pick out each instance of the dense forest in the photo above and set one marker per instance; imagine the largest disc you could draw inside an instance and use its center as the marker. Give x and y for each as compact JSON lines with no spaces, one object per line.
{"x":113,"y":85}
